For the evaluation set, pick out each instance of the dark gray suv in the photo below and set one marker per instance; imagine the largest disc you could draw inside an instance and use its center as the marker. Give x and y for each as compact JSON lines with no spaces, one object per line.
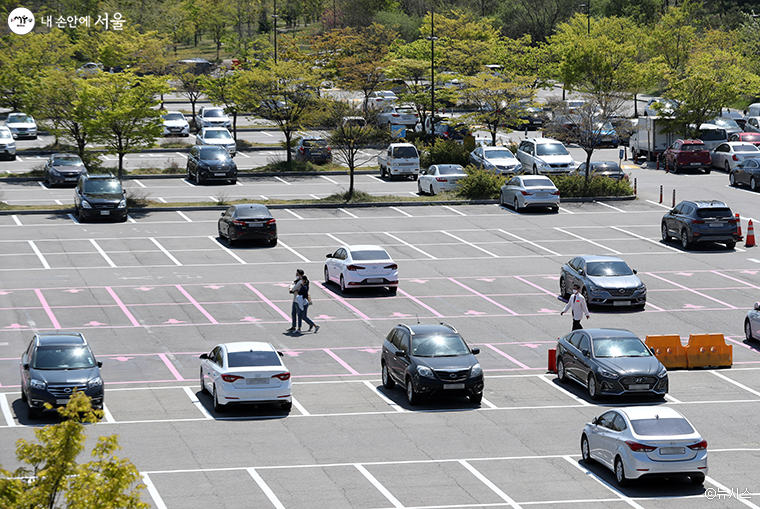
{"x":206,"y":163}
{"x":431,"y":359}
{"x":54,"y":366}
{"x":100,"y":197}
{"x":696,"y":221}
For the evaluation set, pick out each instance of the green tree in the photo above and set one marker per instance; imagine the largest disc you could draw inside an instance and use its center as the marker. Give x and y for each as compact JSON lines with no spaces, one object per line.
{"x":464,"y":43}
{"x":123,"y":110}
{"x":537,"y":18}
{"x":54,"y":479}
{"x":224,"y":91}
{"x":215,"y":18}
{"x":143,"y":52}
{"x":672,"y":39}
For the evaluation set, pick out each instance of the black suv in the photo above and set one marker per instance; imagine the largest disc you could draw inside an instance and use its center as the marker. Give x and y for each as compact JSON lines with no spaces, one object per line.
{"x":701,"y":221}
{"x":100,"y":196}
{"x":54,"y":366}
{"x":206,"y":162}
{"x":427,"y":359}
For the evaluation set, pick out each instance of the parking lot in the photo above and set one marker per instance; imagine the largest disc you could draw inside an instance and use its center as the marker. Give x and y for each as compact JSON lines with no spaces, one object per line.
{"x":153,"y":293}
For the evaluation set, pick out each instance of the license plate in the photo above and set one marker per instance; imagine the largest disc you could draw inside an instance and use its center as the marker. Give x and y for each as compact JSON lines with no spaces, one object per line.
{"x":454,"y":386}
{"x":70,"y":179}
{"x":219,"y":174}
{"x":375,"y":280}
{"x":716,"y":225}
{"x":256,"y":381}
{"x":665,"y":451}
{"x":105,"y":212}
{"x":256,"y":225}
{"x":61,"y":401}
{"x":638,"y":387}
{"x":621,"y":303}
{"x":696,"y":164}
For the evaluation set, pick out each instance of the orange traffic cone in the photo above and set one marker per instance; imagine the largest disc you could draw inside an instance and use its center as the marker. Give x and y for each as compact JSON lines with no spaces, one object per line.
{"x":739,"y":227}
{"x":750,"y":235}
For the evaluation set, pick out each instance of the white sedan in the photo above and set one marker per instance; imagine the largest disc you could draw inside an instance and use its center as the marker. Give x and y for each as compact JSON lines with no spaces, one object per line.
{"x":440,"y":177}
{"x":175,"y":123}
{"x":530,"y":191}
{"x":645,"y":442}
{"x":727,"y":156}
{"x":218,"y":137}
{"x":398,"y":115}
{"x":245,"y":372}
{"x":361,"y":267}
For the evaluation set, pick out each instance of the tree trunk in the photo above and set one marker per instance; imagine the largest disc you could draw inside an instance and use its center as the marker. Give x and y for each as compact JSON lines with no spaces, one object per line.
{"x":121,"y":164}
{"x":288,"y":135}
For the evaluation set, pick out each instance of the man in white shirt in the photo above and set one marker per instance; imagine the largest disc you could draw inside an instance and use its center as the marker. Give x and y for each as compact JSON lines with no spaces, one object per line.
{"x":295,"y":310}
{"x":577,"y":305}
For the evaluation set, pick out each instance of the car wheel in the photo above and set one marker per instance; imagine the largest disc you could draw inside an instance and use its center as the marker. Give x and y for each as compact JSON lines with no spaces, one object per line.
{"x":388,"y":382}
{"x":516,"y":204}
{"x":189,"y":175}
{"x":342,"y":284}
{"x":203,"y":386}
{"x":586,"y":450}
{"x":287,"y":406}
{"x":476,"y":398}
{"x":535,"y":170}
{"x":707,"y":170}
{"x":555,"y":209}
{"x":620,"y":473}
{"x":392,"y":290}
{"x":665,"y":232}
{"x":273,"y":242}
{"x":432,"y":191}
{"x":592,"y":388}
{"x":747,"y":331}
{"x":415,"y":177}
{"x":685,"y":239}
{"x":217,"y":407}
{"x":221,"y":235}
{"x":732,"y":180}
{"x":327,"y":275}
{"x":411,"y":395}
{"x":561,"y":374}
{"x":563,"y":288}
{"x":698,"y":479}
{"x":233,"y":181}
{"x":23,"y":396}
{"x":584,"y":292}
{"x":230,"y":240}
{"x":31,"y":412}
{"x":753,"y":184}
{"x":730,"y":244}
{"x":419,"y":188}
{"x":502,"y":201}
{"x":727,"y":167}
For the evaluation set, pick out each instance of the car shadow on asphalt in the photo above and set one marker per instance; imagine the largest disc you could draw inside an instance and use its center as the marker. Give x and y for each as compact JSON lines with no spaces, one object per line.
{"x":529,"y":211}
{"x":245,"y":244}
{"x":248,"y":411}
{"x":357,"y":293}
{"x":437,"y":403}
{"x":645,"y":488}
{"x":580,"y":392}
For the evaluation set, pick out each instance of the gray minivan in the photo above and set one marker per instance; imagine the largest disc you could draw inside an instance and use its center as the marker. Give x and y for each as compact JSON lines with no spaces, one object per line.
{"x":712,"y":135}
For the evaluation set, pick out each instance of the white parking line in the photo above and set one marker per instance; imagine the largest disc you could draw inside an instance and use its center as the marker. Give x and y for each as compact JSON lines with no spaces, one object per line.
{"x":293,"y":213}
{"x":165,"y":251}
{"x":299,"y":406}
{"x":382,"y":489}
{"x":724,"y":491}
{"x":539,"y":246}
{"x":184,"y":216}
{"x":263,"y":197}
{"x":43,"y":186}
{"x":410,"y":245}
{"x":610,"y":206}
{"x":71,"y":216}
{"x":336,"y":239}
{"x":181,"y":154}
{"x":653,"y":241}
{"x":58,"y":202}
{"x":39,"y":254}
{"x":740,"y":385}
{"x":587,"y":240}
{"x":695,"y":292}
{"x":314,"y":196}
{"x":107,"y":414}
{"x":672,"y":399}
{"x":329,"y":179}
{"x":506,"y":498}
{"x":131,"y":219}
{"x":265,"y":488}
{"x":302,"y":257}
{"x":16,"y":220}
{"x":241,"y":154}
{"x":376,"y":178}
{"x":469,"y":243}
{"x":216,"y":241}
{"x":195,"y":401}
{"x":188,"y":182}
{"x":659,"y":204}
{"x":390,"y":402}
{"x":454,"y":210}
{"x":102,"y":253}
{"x":401,"y":211}
{"x":283,"y":181}
{"x":6,"y":409}
{"x":566,"y":211}
{"x":139,"y":183}
{"x":564,"y":391}
{"x":591,"y":474}
{"x":487,"y":403}
{"x":162,"y":200}
{"x":349,"y":213}
{"x":153,"y":492}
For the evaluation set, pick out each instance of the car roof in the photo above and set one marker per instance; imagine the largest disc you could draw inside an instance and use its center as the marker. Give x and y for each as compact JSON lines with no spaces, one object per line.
{"x":598,"y":258}
{"x":706,"y":203}
{"x":544,"y":140}
{"x":63,"y":154}
{"x":246,"y":346}
{"x":100,"y":176}
{"x":609,"y":333}
{"x":60,"y":338}
{"x":253,"y":207}
{"x":431,"y":329}
{"x":649,"y":412}
{"x":536,"y":177}
{"x":363,"y":247}
{"x":739,"y":143}
{"x":439,"y":166}
{"x":173,"y":111}
{"x":691,"y":141}
{"x":215,"y":128}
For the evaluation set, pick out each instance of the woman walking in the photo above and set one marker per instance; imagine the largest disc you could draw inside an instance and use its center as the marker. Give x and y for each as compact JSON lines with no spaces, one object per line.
{"x":304,"y":300}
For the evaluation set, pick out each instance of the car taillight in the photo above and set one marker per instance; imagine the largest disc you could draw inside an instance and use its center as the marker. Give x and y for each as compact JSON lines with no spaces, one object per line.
{"x":301,"y":150}
{"x":441,"y":179}
{"x":329,"y":149}
{"x":395,"y":115}
{"x":282,"y":376}
{"x":231,"y":378}
{"x":697,"y":221}
{"x":701,"y":446}
{"x":555,"y":193}
{"x":238,"y":222}
{"x":637,"y":447}
{"x":733,"y":220}
{"x":270,"y":222}
{"x":392,"y":266}
{"x":526,"y":193}
{"x":354,"y":267}
{"x":734,"y":157}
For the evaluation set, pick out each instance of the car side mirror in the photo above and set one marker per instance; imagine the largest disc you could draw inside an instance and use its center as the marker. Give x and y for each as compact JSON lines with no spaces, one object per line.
{"x":580,"y":271}
{"x":26,"y":366}
{"x":595,"y":420}
{"x":100,"y":364}
{"x":475,"y":351}
{"x":222,"y":214}
{"x":635,"y":271}
{"x":203,"y":356}
{"x":280,"y":353}
{"x":585,"y":352}
{"x":328,"y":255}
{"x":651,"y":349}
{"x":757,"y":306}
{"x":400,"y":353}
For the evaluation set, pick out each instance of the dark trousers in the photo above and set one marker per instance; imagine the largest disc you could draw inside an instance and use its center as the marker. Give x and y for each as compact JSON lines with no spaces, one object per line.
{"x":577,"y":324}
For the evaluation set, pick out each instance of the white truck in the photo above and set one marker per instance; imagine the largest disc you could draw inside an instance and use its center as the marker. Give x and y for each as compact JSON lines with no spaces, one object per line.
{"x":649,"y":137}
{"x":400,"y":160}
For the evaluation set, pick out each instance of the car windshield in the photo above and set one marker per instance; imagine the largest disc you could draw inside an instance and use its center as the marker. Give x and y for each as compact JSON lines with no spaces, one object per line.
{"x":314,"y":143}
{"x":714,"y":212}
{"x":660,"y":427}
{"x":551,"y":149}
{"x":498,"y":153}
{"x":608,"y":268}
{"x":218,"y":135}
{"x":746,"y":147}
{"x":252,"y":358}
{"x":619,"y":347}
{"x":405,"y":152}
{"x":528,"y":182}
{"x":67,"y":161}
{"x":603,"y":126}
{"x":726,"y":123}
{"x":450,"y":170}
{"x":63,"y":357}
{"x":5,"y":134}
{"x":19,"y":118}
{"x":213,"y":113}
{"x":375,"y":254}
{"x":693,"y":147}
{"x":712,"y":134}
{"x":102,"y":187}
{"x":214,"y":153}
{"x":438,"y":345}
{"x":174,"y":116}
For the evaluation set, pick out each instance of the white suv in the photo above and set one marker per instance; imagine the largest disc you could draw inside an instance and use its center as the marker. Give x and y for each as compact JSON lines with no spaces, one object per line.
{"x":212,"y":116}
{"x":544,"y":156}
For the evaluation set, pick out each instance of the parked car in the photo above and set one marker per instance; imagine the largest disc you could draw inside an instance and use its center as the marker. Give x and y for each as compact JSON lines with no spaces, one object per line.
{"x":525,"y":191}
{"x":431,"y":359}
{"x":207,"y":163}
{"x":7,"y":144}
{"x":624,"y":127}
{"x":735,"y":116}
{"x":217,"y":137}
{"x":100,"y":196}
{"x":314,"y":150}
{"x":700,"y":221}
{"x":752,"y":323}
{"x":211,"y":116}
{"x":611,"y":362}
{"x":63,"y":168}
{"x":712,"y":135}
{"x":499,"y":160}
{"x":21,"y":126}
{"x":175,"y":124}
{"x":398,"y":115}
{"x":687,"y":154}
{"x":248,"y":222}
{"x":746,"y":172}
{"x":657,"y":106}
{"x":381,"y":98}
{"x":609,"y":169}
{"x":544,"y":156}
{"x":727,"y":124}
{"x":451,"y":132}
{"x":399,"y":160}
{"x":604,"y":281}
{"x":533,"y":118}
{"x":243,"y":373}
{"x":752,"y":125}
{"x":53,"y":366}
{"x":746,"y":137}
{"x":361,"y":266}
{"x":440,"y":177}
{"x":90,"y":69}
{"x":645,"y":442}
{"x":727,"y":155}
{"x":354,"y":122}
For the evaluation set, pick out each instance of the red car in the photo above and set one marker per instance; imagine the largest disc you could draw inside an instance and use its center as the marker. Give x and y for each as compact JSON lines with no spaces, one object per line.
{"x":753,"y":138}
{"x":687,"y":154}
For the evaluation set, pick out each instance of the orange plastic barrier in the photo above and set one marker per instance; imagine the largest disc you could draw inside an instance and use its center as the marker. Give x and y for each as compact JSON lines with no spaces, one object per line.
{"x":669,"y":350}
{"x":552,"y":360}
{"x":708,"y":350}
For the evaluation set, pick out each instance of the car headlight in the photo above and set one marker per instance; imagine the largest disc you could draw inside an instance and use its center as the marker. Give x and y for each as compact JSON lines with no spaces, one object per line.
{"x":122,"y":204}
{"x":425,"y":371}
{"x":663,"y":373}
{"x":37,"y":384}
{"x":95,"y":382}
{"x":55,"y":172}
{"x":607,"y":373}
{"x":541,"y":164}
{"x":592,"y":287}
{"x":641,"y":287}
{"x":86,"y":205}
{"x":476,"y":370}
{"x":518,"y":167}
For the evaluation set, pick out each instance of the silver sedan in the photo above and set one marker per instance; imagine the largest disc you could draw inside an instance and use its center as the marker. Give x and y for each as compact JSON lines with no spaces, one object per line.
{"x":727,"y":155}
{"x":440,"y":177}
{"x":530,"y":191}
{"x":752,"y":323}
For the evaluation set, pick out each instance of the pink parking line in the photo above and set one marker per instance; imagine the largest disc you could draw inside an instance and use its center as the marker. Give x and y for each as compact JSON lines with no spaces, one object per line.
{"x":342,"y":301}
{"x":171,"y":367}
{"x":122,"y":306}
{"x":418,"y":301}
{"x":340,"y":361}
{"x":735,"y":279}
{"x":523,"y":366}
{"x":195,"y":303}
{"x":693,"y":291}
{"x":505,"y":308}
{"x":47,"y":309}
{"x":272,"y":304}
{"x":534,"y":285}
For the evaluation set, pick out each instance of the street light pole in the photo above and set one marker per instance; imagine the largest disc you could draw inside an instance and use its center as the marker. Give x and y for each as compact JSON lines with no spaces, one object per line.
{"x":432,"y":38}
{"x":588,"y":15}
{"x":274,"y":16}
